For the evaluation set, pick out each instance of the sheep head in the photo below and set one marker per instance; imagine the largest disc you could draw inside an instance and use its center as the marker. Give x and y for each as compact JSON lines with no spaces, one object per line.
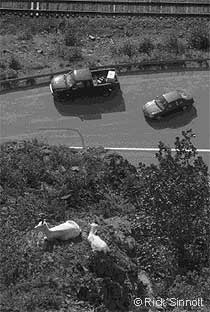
{"x":41,"y":224}
{"x":94,"y":227}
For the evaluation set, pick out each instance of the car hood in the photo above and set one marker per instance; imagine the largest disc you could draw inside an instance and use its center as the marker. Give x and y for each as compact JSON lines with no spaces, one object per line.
{"x":151,"y":108}
{"x":58,"y":82}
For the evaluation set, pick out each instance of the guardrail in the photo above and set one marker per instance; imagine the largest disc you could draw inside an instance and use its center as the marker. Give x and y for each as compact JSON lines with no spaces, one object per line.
{"x":100,"y":11}
{"x":122,"y":69}
{"x":68,"y":8}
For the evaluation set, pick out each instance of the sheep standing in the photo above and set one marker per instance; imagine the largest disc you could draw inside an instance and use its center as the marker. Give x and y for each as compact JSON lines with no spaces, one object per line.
{"x":97,"y":244}
{"x":64,"y":231}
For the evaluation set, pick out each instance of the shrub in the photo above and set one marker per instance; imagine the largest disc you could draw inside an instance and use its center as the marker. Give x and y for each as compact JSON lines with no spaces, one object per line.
{"x":73,"y":54}
{"x":173,"y":44}
{"x":69,"y":53}
{"x":172,"y":202}
{"x":8,"y":74}
{"x":10,"y":62}
{"x":25,"y":35}
{"x":30,"y":82}
{"x":199,"y":39}
{"x":126,"y":48}
{"x":146,"y":46}
{"x":191,"y":286}
{"x":71,"y":38}
{"x":15,"y":63}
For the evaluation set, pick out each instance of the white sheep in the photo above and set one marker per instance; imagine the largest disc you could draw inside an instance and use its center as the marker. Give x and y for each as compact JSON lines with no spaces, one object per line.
{"x":97,"y":244}
{"x":64,"y":231}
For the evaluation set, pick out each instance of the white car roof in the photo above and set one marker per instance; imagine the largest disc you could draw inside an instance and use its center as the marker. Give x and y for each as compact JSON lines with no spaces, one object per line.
{"x":172,"y":96}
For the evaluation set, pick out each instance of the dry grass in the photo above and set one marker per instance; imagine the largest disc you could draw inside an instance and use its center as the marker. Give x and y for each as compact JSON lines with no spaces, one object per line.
{"x":41,"y":45}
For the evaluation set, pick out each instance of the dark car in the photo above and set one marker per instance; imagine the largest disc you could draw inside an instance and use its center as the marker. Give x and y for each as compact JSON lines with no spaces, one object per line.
{"x":167,"y":103}
{"x":84,"y":82}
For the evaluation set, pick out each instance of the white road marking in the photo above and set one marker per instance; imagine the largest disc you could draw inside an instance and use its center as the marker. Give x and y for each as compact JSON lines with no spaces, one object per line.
{"x":140,"y":149}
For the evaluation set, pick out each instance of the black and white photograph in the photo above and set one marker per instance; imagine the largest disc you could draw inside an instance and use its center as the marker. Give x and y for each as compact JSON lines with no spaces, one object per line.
{"x":104,"y":155}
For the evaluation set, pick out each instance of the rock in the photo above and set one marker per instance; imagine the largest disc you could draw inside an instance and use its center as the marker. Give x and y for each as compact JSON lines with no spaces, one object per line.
{"x":122,"y":234}
{"x":46,"y":158}
{"x":6,"y":51}
{"x":12,"y":200}
{"x":40,"y":51}
{"x":62,"y":169}
{"x":4,"y":210}
{"x":65,"y":197}
{"x":46,"y":151}
{"x":119,"y":223}
{"x":75,"y":168}
{"x":110,"y":281}
{"x":104,"y":266}
{"x":93,"y":38}
{"x":115,"y":296}
{"x":115,"y":273}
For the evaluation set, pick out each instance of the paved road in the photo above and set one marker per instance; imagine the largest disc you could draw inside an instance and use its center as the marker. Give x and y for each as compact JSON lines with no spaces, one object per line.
{"x":117,"y":122}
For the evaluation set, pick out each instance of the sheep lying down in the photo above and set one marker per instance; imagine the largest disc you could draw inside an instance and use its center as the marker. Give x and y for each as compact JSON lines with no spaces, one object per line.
{"x":64,"y":231}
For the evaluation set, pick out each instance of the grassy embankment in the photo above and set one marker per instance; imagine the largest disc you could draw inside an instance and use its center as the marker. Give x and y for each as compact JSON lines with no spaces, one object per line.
{"x":155,"y":219}
{"x":32,"y":46}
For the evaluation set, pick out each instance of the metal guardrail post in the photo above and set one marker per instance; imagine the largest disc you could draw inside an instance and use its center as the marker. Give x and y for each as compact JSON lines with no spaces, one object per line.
{"x":69,"y":129}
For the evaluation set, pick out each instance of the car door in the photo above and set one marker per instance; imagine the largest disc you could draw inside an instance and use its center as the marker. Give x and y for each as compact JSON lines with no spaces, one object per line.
{"x":173,"y":106}
{"x":79,"y":89}
{"x":168,"y":109}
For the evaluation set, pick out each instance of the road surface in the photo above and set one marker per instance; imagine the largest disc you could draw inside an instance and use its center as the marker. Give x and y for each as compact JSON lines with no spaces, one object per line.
{"x":117,"y":121}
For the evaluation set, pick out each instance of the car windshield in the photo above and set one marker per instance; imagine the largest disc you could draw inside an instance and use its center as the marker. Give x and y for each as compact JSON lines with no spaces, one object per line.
{"x":161,"y":102}
{"x":69,"y":79}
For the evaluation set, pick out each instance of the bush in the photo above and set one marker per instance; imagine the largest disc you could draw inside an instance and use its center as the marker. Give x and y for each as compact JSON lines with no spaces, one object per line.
{"x":126,"y":48}
{"x":69,"y":53}
{"x":146,"y":46}
{"x":8,"y":74}
{"x":25,"y":35}
{"x":73,"y":54}
{"x":172,"y":201}
{"x":10,"y":62}
{"x":71,"y":38}
{"x":199,"y":39}
{"x":174,"y":45}
{"x":30,"y":82}
{"x":15,"y":63}
{"x":191,"y":286}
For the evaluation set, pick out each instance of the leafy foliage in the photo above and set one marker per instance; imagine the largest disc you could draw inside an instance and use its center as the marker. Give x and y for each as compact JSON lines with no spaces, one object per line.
{"x":146,"y":46}
{"x":71,"y":37}
{"x":199,"y":38}
{"x":154,"y":218}
{"x":173,"y":203}
{"x":127,"y":48}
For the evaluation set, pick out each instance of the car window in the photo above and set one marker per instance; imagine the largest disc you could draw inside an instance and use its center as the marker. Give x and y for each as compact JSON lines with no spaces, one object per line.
{"x":171,"y":106}
{"x":161,"y":102}
{"x":69,"y":79}
{"x":80,"y":84}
